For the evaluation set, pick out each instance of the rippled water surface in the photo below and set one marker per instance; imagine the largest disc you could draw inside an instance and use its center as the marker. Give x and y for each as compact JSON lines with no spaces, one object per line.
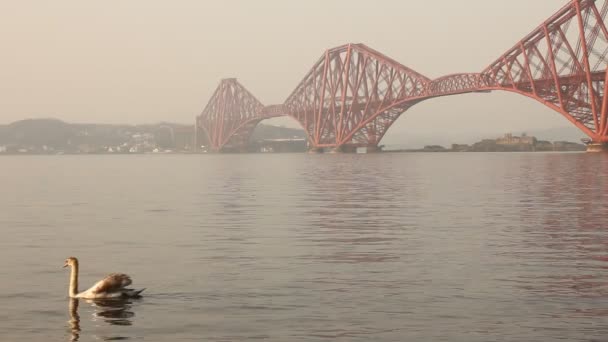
{"x":297,"y":247}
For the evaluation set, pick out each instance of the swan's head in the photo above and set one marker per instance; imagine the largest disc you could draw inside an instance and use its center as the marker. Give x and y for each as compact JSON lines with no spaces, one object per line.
{"x":71,"y":261}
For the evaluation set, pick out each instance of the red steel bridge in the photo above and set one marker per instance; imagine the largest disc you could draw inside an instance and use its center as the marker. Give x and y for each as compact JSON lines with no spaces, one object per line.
{"x":353,"y":94}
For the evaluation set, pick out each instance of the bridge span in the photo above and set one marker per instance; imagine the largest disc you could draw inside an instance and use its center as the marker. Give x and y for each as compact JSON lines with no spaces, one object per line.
{"x":353,"y":94}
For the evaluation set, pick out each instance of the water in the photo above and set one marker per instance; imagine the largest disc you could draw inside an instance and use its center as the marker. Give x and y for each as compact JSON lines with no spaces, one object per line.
{"x":388,"y":247}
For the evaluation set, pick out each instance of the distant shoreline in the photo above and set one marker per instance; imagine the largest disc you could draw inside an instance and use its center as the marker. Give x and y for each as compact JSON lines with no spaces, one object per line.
{"x":507,"y":143}
{"x":55,"y":137}
{"x":451,"y":151}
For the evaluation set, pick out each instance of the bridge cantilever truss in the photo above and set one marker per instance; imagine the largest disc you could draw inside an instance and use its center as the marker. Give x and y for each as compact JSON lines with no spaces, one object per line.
{"x":349,"y":95}
{"x":353,"y":94}
{"x":231,"y":115}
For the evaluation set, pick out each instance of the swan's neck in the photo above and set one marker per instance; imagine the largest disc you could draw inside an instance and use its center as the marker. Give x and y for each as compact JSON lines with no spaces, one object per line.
{"x":74,"y":281}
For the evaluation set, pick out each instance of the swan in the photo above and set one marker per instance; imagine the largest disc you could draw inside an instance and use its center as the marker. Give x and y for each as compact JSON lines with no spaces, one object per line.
{"x":111,"y":287}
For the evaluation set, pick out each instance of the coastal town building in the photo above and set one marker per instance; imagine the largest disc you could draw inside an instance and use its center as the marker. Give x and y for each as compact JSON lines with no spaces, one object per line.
{"x":512,"y":140}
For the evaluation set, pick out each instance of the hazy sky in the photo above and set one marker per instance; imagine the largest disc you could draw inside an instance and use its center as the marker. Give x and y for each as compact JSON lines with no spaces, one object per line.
{"x":144,"y":61}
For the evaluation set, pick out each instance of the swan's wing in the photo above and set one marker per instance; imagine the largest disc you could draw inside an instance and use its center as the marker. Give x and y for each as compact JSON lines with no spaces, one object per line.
{"x":112,"y":283}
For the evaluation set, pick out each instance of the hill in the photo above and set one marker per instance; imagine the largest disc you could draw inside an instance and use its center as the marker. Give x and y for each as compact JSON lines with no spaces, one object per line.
{"x":55,"y":136}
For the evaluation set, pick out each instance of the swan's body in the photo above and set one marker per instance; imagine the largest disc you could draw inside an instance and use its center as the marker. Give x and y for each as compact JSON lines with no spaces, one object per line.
{"x":111,"y":287}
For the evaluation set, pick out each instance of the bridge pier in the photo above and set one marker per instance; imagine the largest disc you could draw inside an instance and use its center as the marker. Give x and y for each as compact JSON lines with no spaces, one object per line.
{"x":315,"y":150}
{"x":597,"y":147}
{"x":234,"y":149}
{"x":373,"y":149}
{"x":344,"y":149}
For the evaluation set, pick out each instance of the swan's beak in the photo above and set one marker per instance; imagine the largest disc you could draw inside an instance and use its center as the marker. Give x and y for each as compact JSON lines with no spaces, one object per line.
{"x":65,"y":265}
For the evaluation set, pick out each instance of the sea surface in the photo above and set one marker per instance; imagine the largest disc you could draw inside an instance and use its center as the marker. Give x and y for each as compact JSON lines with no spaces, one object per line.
{"x":299,"y":247}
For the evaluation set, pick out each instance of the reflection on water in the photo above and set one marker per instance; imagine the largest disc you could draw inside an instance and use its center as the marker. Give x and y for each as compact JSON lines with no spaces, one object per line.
{"x":112,"y":312}
{"x":74,"y":321}
{"x":388,"y":247}
{"x":567,"y":231}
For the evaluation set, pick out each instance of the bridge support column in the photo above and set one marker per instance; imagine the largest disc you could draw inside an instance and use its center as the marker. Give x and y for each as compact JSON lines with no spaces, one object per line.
{"x":597,"y":147}
{"x":314,"y":150}
{"x":344,"y":149}
{"x":373,"y":149}
{"x":234,"y":149}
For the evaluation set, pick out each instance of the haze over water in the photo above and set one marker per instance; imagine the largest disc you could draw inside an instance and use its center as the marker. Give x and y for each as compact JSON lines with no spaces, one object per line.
{"x":298,"y":247}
